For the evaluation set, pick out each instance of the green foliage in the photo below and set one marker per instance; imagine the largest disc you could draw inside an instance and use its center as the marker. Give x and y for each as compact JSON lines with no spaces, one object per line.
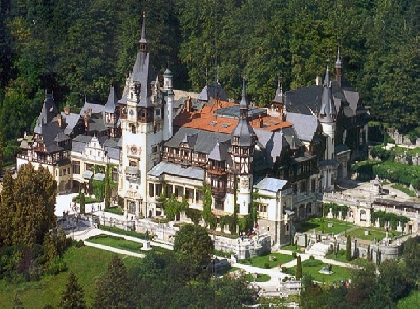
{"x":335,"y":209}
{"x":411,"y":254}
{"x":207,"y":203}
{"x":173,"y":207}
{"x":114,"y":290}
{"x":348,"y":248}
{"x":73,"y":295}
{"x":392,"y":280}
{"x":392,"y":218}
{"x":194,"y":214}
{"x":193,"y":248}
{"x":34,"y":195}
{"x":115,"y":210}
{"x":380,"y":152}
{"x":117,"y":230}
{"x":299,"y":268}
{"x":82,"y":203}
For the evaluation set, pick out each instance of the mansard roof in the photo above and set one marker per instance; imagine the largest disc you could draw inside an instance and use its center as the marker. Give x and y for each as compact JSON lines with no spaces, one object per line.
{"x":271,"y":184}
{"x":205,"y":141}
{"x":191,"y":172}
{"x":305,"y":125}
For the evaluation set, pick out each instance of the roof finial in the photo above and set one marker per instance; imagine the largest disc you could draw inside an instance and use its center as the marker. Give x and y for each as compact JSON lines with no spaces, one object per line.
{"x":143,"y":40}
{"x":243,"y":104}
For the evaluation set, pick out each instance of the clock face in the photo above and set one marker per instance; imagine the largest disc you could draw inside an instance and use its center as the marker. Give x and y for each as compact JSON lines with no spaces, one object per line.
{"x":133,"y":149}
{"x":131,"y":112}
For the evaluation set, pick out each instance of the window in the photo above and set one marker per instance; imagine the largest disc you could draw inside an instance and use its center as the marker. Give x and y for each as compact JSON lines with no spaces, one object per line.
{"x":76,"y":167}
{"x":131,"y":207}
{"x":219,"y":205}
{"x":313,"y":186}
{"x":115,"y":174}
{"x":154,"y":149}
{"x":133,"y":129}
{"x":151,"y":189}
{"x":158,"y":112}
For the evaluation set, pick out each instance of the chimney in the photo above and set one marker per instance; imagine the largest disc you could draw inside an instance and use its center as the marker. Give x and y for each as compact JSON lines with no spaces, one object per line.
{"x":86,"y":119}
{"x":188,"y":104}
{"x":67,"y":109}
{"x":260,"y":122}
{"x":60,"y":121}
{"x":318,"y":81}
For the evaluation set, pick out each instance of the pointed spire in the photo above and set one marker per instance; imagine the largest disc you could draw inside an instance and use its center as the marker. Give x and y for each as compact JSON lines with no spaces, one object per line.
{"x":143,"y":40}
{"x":338,"y":61}
{"x":327,"y":111}
{"x":338,"y":68}
{"x":243,"y":104}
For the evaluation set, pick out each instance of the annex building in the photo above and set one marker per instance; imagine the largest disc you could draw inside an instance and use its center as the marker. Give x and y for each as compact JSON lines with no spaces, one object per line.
{"x":279,"y":159}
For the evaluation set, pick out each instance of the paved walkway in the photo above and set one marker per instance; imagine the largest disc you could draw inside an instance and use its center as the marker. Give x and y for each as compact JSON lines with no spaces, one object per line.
{"x":275,"y":273}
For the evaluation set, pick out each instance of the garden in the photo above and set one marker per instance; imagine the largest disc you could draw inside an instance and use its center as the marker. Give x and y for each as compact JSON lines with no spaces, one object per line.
{"x":116,"y":242}
{"x":321,"y":225}
{"x":268,"y":261}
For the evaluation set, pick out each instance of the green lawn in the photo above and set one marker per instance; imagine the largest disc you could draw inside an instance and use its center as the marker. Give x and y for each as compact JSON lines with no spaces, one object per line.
{"x":313,"y":266}
{"x":321,"y":224}
{"x":260,"y":278}
{"x":291,"y":248}
{"x":87,"y":263}
{"x":374,"y":233}
{"x":259,"y":261}
{"x":341,"y":256}
{"x":411,"y":301}
{"x":116,"y":242}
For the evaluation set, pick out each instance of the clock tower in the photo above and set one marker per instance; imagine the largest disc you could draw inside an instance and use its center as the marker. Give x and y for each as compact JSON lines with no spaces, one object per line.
{"x":243,"y":141}
{"x":141,"y":116}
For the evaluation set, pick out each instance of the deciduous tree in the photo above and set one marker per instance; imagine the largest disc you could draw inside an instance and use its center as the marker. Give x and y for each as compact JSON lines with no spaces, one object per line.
{"x":193,"y":248}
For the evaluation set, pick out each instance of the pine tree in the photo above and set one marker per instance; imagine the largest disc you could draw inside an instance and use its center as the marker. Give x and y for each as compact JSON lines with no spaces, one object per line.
{"x":348,"y":248}
{"x":73,"y":296}
{"x":17,"y":303}
{"x":7,"y":210}
{"x":114,"y":290}
{"x":298,"y":268}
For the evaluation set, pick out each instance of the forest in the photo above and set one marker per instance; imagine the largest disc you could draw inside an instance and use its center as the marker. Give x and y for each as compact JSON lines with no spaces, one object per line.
{"x":77,"y":48}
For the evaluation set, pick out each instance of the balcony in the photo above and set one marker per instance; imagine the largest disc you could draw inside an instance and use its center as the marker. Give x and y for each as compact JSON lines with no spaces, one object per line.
{"x":48,"y":161}
{"x":132,"y":174}
{"x":218,"y":192}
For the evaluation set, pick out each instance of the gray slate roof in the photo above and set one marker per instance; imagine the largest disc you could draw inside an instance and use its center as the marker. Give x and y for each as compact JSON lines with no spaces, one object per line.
{"x":206,"y":140}
{"x":191,"y":172}
{"x":220,"y":152}
{"x":273,"y":143}
{"x":271,"y":184}
{"x":112,"y":101}
{"x":305,"y":125}
{"x":214,"y":91}
{"x":96,"y":108}
{"x":71,"y":121}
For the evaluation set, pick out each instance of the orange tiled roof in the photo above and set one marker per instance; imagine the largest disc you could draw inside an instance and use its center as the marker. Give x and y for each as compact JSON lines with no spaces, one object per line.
{"x":206,"y":120}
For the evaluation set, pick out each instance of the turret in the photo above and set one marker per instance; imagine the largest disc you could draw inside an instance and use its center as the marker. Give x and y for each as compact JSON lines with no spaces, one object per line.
{"x":168,"y":87}
{"x":338,"y":69}
{"x":243,"y":141}
{"x":327,"y":112}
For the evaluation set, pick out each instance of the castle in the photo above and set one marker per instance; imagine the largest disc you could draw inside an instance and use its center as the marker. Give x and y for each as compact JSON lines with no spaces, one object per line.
{"x":278,"y":159}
